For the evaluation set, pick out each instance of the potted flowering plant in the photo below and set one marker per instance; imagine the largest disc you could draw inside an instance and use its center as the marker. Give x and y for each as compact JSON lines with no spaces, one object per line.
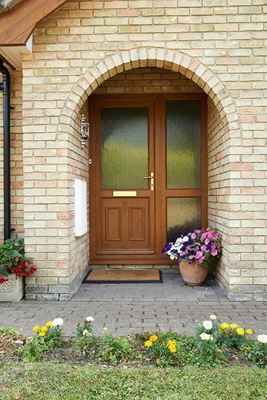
{"x":14,"y":265}
{"x":196,"y":253}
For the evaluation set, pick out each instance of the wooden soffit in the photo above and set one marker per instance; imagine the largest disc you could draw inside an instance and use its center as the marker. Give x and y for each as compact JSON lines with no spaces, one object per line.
{"x":18,"y":23}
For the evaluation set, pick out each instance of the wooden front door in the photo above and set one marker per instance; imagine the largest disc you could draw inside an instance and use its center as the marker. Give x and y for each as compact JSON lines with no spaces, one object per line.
{"x":146,"y":174}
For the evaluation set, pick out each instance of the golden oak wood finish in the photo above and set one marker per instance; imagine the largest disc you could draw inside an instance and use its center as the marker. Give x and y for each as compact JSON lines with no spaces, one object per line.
{"x":17,"y":24}
{"x":132,"y":230}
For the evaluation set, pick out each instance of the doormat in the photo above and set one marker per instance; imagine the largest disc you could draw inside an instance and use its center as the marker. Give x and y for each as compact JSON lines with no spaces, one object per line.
{"x":123,"y":276}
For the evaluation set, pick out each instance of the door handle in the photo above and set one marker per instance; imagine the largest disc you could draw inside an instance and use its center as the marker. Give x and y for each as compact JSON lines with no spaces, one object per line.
{"x":151,"y":177}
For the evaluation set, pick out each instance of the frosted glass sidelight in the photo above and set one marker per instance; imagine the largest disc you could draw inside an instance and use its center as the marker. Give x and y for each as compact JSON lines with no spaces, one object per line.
{"x":124,"y":148}
{"x":183,"y":144}
{"x":183,"y":215}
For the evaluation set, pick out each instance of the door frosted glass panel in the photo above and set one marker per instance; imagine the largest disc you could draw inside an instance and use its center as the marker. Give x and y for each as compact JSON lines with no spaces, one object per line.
{"x":183,"y":144}
{"x":183,"y":215}
{"x":124,"y":148}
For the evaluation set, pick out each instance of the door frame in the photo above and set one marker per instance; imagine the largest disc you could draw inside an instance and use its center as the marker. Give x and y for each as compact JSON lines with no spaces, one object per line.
{"x":159,"y":126}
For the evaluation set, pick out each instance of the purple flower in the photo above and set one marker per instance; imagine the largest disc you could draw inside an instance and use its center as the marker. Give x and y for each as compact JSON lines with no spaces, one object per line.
{"x":195,"y":246}
{"x":167,"y":247}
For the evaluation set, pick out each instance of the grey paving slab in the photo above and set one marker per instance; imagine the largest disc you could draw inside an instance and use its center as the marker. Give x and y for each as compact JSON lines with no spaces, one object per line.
{"x":131,"y":308}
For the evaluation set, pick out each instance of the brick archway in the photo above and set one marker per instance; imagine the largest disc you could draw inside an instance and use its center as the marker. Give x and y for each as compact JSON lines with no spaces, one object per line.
{"x":222,"y":102}
{"x":175,"y":61}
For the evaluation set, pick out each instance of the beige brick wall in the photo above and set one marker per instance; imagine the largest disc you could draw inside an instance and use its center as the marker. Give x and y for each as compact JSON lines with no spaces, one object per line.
{"x":218,"y":191}
{"x":148,"y":80}
{"x":221,"y":46}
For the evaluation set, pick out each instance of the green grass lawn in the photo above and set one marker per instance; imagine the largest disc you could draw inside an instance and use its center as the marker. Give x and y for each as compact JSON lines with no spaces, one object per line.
{"x":51,"y":381}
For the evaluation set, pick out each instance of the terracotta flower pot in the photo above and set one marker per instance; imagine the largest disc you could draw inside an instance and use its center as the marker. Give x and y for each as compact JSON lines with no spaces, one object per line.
{"x":193,"y":274}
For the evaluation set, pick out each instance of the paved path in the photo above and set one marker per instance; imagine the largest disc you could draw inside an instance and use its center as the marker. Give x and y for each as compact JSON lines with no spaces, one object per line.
{"x":131,"y":308}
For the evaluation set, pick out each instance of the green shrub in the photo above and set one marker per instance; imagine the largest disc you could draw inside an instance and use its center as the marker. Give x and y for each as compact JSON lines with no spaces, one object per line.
{"x":255,"y":352}
{"x":13,"y":260}
{"x":46,"y":338}
{"x":169,"y":349}
{"x":86,"y":342}
{"x":8,"y":331}
{"x":108,"y":349}
{"x":86,"y":328}
{"x":113,"y":350}
{"x":232,"y":336}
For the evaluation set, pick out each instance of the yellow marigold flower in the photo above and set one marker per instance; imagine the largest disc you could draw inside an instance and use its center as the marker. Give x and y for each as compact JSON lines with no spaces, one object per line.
{"x":42,"y":333}
{"x":44,"y":329}
{"x":224,"y":326}
{"x":148,"y":343}
{"x":240,"y":331}
{"x":171,"y":342}
{"x":172,"y":348}
{"x":249,"y":331}
{"x":234,"y":326}
{"x":153,"y":338}
{"x":36,"y":328}
{"x":49,"y":324}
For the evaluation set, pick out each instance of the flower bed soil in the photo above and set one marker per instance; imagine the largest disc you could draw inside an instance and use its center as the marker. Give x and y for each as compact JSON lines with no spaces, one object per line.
{"x":68,"y":353}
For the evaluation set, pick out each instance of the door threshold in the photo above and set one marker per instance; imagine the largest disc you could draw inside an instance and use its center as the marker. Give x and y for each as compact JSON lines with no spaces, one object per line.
{"x":134,"y":267}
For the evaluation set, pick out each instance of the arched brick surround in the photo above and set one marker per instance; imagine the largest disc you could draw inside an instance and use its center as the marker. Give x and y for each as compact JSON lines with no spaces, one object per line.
{"x":175,"y":61}
{"x":71,"y":259}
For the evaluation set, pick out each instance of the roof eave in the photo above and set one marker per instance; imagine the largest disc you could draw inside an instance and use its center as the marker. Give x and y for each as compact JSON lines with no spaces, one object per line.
{"x":8,"y":7}
{"x":17,"y":25}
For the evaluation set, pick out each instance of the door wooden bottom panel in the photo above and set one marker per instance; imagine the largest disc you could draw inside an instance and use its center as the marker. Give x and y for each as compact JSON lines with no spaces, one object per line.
{"x":130,"y":261}
{"x":125,"y":226}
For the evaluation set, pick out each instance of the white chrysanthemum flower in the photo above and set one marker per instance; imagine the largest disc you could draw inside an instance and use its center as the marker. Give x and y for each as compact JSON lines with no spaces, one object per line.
{"x":185,"y":239}
{"x":173,"y":257}
{"x":205,"y":336}
{"x":213,"y":317}
{"x":57,"y":322}
{"x":207,"y":325}
{"x":89,"y":319}
{"x":86,"y":333}
{"x":262,"y":338}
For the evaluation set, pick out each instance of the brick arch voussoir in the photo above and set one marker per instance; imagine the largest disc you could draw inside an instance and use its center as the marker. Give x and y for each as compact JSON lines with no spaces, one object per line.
{"x":175,"y":61}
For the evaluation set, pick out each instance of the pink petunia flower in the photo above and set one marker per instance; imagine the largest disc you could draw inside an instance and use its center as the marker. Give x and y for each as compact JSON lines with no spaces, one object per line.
{"x":209,"y":235}
{"x":199,"y":255}
{"x":214,"y":252}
